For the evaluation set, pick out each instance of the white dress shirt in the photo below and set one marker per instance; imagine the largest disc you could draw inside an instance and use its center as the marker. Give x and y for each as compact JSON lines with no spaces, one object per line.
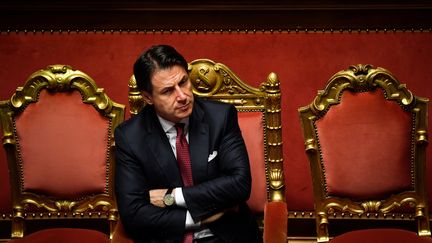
{"x":171,"y":132}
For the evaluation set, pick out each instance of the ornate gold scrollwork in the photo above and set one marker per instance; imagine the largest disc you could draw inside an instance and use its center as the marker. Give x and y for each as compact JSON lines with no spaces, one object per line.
{"x":51,"y":206}
{"x":236,"y":102}
{"x":396,"y":201}
{"x":102,"y":202}
{"x":7,"y":127}
{"x":209,"y":78}
{"x":330,"y":205}
{"x":276,"y":178}
{"x":61,"y":78}
{"x":204,"y":79}
{"x":65,"y":206}
{"x":383,"y":207}
{"x":91,"y":204}
{"x":371,"y":206}
{"x":360,"y":78}
{"x":136,"y":100}
{"x":311,"y":145}
{"x":272,"y":84}
{"x":422,"y":136}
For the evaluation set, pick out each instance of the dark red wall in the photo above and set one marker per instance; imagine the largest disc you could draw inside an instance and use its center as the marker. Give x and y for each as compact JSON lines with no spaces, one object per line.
{"x":304,"y":61}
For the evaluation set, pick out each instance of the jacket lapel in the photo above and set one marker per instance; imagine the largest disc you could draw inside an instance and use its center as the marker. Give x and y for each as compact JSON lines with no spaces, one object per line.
{"x":198,"y":143}
{"x":160,"y":147}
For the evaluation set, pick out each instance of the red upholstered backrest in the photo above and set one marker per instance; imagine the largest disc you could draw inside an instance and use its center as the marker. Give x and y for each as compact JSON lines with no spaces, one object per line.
{"x":251,"y":125}
{"x":5,"y":193}
{"x":365,"y":143}
{"x":63,"y":145}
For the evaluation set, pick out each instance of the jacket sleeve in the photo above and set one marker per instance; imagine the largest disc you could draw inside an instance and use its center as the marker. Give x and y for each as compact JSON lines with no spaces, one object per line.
{"x":138,"y":215}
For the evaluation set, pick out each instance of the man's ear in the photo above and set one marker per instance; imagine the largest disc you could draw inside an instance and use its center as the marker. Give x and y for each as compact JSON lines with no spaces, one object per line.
{"x":147,"y":98}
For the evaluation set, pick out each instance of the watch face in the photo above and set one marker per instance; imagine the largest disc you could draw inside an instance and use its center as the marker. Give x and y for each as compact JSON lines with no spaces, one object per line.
{"x":168,"y":200}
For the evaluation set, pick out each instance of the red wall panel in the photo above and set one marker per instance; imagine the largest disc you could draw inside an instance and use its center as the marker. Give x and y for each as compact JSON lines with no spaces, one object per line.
{"x":304,"y":62}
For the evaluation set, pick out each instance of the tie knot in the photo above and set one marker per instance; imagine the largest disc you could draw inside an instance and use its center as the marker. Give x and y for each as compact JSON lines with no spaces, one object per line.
{"x":179,"y":127}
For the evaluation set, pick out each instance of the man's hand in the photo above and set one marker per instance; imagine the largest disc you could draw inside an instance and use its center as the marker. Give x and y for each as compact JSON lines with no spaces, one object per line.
{"x":157,"y":196}
{"x":212,"y":218}
{"x":217,"y":216}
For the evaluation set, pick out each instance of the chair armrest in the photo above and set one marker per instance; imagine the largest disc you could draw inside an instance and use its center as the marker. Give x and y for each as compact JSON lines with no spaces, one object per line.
{"x":275,"y":222}
{"x":119,"y":234}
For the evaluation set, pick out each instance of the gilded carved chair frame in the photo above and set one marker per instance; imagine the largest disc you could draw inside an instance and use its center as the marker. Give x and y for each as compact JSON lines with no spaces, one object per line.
{"x":359,"y":78}
{"x":58,"y":78}
{"x":216,"y":81}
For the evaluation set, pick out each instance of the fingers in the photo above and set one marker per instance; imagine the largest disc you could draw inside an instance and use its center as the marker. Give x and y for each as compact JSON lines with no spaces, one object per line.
{"x":213,"y":218}
{"x":157,"y":196}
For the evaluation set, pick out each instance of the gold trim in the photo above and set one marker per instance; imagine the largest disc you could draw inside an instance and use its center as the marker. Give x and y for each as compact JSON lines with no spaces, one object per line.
{"x":60,"y":78}
{"x":89,"y":205}
{"x":362,"y":78}
{"x":28,"y":205}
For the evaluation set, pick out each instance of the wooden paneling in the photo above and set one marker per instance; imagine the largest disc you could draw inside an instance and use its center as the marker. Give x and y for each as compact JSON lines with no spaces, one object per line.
{"x":209,"y":15}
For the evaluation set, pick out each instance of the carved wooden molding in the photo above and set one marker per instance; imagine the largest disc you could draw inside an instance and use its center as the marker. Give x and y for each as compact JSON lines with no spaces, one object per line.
{"x":191,"y":15}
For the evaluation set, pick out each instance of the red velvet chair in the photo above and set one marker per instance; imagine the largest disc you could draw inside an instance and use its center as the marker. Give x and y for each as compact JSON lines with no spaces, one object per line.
{"x":260,"y":122}
{"x":365,"y":137}
{"x":58,"y":136}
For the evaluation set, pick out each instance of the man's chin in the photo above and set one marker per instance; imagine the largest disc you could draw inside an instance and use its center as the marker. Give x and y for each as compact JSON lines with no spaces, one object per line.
{"x":186,"y":109}
{"x":185,"y":114}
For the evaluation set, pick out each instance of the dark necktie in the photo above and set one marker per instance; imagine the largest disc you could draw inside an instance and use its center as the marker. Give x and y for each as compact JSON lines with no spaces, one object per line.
{"x":183,"y":160}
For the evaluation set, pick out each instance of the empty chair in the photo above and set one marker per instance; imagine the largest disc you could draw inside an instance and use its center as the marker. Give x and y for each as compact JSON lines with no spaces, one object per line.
{"x":365,"y":136}
{"x":58,"y":135}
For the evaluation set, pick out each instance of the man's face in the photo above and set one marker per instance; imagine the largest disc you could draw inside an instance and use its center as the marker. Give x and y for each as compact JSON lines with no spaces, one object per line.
{"x":172,"y":94}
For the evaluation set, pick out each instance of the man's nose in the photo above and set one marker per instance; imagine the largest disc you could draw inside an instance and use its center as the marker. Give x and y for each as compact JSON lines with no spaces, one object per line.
{"x":180,"y":94}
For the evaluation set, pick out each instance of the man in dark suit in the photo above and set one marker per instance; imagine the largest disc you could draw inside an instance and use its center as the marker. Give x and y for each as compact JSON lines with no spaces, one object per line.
{"x":157,"y":202}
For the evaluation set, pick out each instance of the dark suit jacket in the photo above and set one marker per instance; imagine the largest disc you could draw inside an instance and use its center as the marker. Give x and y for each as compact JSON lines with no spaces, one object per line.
{"x":145,"y":161}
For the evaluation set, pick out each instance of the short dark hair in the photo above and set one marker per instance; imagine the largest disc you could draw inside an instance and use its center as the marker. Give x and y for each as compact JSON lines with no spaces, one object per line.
{"x":156,"y":57}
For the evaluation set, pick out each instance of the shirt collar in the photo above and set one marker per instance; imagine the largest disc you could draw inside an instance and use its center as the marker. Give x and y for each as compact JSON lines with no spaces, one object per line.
{"x":168,"y":125}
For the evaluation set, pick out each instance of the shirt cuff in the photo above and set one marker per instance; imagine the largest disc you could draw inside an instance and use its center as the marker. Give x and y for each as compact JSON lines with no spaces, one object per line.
{"x":190,"y":224}
{"x":178,"y":197}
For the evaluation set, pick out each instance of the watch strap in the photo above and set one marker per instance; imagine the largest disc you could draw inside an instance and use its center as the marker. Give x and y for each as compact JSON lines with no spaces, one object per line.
{"x":169,"y":191}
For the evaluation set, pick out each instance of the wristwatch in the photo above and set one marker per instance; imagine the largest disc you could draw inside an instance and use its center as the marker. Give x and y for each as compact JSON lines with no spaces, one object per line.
{"x":169,"y":198}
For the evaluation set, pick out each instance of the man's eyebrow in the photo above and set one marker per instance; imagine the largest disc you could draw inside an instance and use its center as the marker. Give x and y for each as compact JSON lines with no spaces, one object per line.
{"x":166,"y":88}
{"x":182,"y":80}
{"x":185,"y":78}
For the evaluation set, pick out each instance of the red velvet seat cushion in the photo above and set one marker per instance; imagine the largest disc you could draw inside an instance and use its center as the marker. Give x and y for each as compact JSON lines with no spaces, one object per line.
{"x":5,"y":194}
{"x":64,"y":235}
{"x":380,"y":236}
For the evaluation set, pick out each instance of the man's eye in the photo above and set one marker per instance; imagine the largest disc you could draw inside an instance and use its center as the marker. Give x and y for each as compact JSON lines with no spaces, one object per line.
{"x":166,"y":91}
{"x":184,"y":81}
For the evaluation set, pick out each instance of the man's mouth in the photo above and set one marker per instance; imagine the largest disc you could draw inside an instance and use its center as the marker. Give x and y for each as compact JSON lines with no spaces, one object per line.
{"x":184,"y":107}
